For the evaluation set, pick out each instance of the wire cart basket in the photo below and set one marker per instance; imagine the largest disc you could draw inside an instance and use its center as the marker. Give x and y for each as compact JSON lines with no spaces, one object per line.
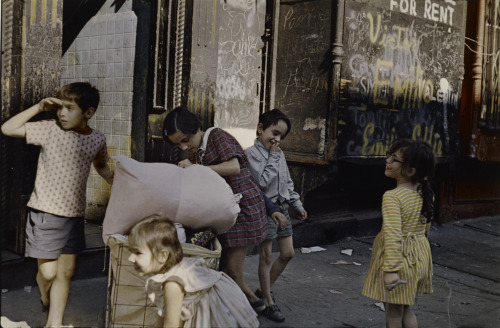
{"x":127,"y":303}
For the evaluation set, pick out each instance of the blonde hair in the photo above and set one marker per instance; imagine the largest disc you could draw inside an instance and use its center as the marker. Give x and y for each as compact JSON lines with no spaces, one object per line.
{"x":158,"y":234}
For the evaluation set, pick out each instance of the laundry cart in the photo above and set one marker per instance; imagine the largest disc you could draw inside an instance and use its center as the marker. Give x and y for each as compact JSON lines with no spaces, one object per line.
{"x":127,"y":302}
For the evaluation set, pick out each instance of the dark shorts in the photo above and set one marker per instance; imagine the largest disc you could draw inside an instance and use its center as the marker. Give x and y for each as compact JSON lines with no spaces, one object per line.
{"x":48,"y":236}
{"x":273,"y":229}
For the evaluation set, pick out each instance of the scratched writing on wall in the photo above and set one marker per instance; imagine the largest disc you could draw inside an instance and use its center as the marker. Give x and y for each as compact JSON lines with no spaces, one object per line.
{"x":238,"y":64}
{"x":404,"y":66}
{"x":401,"y":74}
{"x":302,"y":79}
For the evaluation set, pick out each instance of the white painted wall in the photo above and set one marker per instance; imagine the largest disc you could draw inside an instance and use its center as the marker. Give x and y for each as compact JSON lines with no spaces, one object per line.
{"x":103,"y":54}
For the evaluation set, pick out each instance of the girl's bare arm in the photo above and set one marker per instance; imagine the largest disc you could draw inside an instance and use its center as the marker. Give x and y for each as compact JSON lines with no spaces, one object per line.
{"x":227,"y":168}
{"x":174,"y":295}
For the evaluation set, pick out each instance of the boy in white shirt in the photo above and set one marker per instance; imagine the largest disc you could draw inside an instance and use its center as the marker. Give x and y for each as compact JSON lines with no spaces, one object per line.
{"x":55,"y":225}
{"x":269,"y":168}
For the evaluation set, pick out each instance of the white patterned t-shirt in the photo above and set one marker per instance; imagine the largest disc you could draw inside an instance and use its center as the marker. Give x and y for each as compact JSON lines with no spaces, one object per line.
{"x":63,"y":167}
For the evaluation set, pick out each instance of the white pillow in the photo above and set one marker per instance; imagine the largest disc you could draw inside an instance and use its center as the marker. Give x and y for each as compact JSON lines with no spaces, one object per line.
{"x":195,"y":197}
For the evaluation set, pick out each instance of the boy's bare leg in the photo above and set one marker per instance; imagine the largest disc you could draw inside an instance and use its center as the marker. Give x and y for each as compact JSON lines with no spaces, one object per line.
{"x":47,"y":270}
{"x":265,"y":258}
{"x":286,"y":254}
{"x":60,"y":289}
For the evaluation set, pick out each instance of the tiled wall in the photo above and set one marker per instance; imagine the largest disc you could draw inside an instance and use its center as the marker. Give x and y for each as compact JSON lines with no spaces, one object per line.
{"x":103,"y":54}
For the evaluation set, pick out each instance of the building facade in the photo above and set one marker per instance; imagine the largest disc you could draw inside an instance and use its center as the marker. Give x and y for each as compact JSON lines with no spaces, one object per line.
{"x":353,"y":76}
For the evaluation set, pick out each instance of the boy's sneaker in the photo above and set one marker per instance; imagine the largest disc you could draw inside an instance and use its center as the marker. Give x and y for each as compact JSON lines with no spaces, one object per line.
{"x":272,"y":312}
{"x":258,"y":306}
{"x":258,"y":293}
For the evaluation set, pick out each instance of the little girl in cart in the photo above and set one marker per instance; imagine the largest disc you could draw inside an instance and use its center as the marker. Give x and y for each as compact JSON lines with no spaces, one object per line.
{"x":186,"y":292}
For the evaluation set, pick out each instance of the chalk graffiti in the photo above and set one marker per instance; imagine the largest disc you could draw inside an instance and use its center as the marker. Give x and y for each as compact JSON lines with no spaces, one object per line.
{"x":400,"y":39}
{"x":301,"y":80}
{"x":238,"y":51}
{"x":239,"y":63}
{"x":302,"y":71}
{"x":414,"y":90}
{"x":428,"y":135}
{"x":304,"y":18}
{"x":401,"y":75}
{"x":301,"y":54}
{"x":376,"y":141}
{"x":389,"y":64}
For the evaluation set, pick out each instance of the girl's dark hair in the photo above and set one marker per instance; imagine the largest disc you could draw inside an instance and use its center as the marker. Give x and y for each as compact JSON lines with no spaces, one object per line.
{"x":180,"y":119}
{"x":418,"y":154}
{"x":272,"y":117}
{"x":157,"y":233}
{"x":83,"y":93}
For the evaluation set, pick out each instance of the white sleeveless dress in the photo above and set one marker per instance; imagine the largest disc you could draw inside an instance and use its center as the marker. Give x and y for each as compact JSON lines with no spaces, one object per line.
{"x":212,"y":298}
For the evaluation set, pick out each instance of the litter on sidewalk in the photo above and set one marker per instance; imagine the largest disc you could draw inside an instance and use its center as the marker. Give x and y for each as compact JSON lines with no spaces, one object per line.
{"x":380,"y":305}
{"x":342,"y":262}
{"x":7,"y":323}
{"x":306,"y":250}
{"x":346,"y":251}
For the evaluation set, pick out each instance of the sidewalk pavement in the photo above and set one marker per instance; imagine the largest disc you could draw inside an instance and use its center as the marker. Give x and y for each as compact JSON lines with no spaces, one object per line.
{"x":323,"y":289}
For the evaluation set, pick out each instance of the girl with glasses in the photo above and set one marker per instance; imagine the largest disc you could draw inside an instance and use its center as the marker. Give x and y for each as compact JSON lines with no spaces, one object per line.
{"x":401,"y":263}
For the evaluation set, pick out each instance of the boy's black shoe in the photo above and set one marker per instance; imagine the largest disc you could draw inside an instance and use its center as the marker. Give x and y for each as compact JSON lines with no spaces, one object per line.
{"x":258,"y":306}
{"x":272,"y":312}
{"x":258,"y":293}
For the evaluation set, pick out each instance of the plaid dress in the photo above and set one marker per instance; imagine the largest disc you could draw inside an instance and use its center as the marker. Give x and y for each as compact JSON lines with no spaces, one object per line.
{"x":251,"y":225}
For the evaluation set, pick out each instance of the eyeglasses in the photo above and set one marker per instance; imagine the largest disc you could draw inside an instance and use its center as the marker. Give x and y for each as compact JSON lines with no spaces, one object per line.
{"x":389,"y":158}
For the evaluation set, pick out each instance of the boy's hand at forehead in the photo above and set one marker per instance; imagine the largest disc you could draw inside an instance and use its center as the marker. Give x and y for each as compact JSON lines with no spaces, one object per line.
{"x":49,"y":104}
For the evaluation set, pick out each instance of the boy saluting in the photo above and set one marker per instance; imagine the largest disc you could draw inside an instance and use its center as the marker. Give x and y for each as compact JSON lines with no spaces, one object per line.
{"x":55,"y":224}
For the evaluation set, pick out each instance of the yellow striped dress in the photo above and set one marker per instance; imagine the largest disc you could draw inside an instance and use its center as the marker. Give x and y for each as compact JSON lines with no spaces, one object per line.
{"x":401,"y":246}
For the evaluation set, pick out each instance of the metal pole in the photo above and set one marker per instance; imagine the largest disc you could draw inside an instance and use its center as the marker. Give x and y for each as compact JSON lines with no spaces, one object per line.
{"x":179,"y":52}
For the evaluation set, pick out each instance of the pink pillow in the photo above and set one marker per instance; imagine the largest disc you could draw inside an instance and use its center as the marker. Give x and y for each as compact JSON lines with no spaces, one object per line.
{"x":195,"y":197}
